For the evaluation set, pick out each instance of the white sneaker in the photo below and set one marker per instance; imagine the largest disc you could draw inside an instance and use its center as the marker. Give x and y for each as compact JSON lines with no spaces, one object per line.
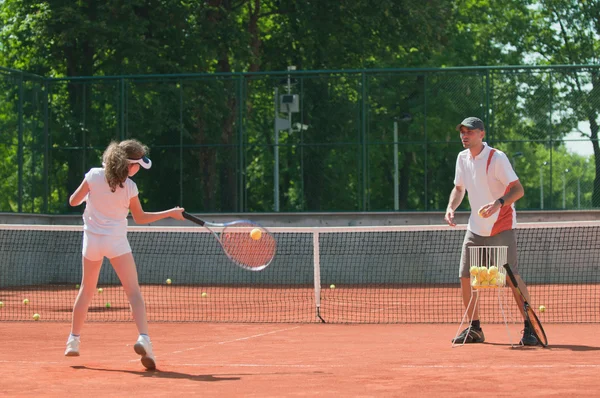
{"x":72,"y":347}
{"x":143,"y":347}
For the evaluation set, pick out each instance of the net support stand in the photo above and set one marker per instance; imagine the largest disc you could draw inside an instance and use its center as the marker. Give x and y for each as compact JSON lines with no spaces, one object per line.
{"x":487,"y":273}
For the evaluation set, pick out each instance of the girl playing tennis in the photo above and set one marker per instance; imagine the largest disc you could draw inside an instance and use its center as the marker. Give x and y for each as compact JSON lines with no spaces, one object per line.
{"x":110,"y":194}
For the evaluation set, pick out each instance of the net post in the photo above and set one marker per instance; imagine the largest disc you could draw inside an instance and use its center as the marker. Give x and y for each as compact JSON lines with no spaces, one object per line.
{"x":317,"y":273}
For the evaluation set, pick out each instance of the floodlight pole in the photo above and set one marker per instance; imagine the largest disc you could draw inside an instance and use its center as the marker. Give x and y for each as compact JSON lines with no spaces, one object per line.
{"x":280,"y":124}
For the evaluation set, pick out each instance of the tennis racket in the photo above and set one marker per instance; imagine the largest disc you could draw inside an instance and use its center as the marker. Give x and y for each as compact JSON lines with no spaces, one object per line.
{"x":530,"y":316}
{"x":246,"y":243}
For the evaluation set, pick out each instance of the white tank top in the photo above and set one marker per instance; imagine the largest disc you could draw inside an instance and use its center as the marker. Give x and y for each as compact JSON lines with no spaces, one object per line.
{"x":105,"y":211}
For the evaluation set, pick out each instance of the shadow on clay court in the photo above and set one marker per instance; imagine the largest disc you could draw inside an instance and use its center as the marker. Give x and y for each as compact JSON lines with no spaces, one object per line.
{"x":569,"y":347}
{"x":162,"y":374}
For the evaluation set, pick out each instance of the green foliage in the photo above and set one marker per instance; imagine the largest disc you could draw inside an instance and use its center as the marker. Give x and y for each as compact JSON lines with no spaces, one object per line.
{"x":211,"y":132}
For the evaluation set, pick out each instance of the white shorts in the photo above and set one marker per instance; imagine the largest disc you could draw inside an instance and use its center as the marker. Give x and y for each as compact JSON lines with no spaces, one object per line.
{"x":96,"y":247}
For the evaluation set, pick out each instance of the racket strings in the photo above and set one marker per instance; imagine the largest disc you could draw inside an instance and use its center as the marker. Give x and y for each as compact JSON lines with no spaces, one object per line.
{"x":537,"y":327}
{"x":248,"y":249}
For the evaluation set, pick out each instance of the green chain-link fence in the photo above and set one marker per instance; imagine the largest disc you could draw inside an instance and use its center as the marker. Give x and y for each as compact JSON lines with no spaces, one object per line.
{"x":361,"y":140}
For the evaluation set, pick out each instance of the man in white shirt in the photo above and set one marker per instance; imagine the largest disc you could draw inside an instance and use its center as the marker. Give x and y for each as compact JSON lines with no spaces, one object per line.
{"x":493,"y":187}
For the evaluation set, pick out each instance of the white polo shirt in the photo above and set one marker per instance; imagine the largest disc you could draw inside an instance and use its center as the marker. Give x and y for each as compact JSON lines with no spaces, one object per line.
{"x":105,"y":211}
{"x":486,"y":179}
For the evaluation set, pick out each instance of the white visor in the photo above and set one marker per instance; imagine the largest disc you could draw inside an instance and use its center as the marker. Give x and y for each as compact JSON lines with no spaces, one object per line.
{"x":143,"y":161}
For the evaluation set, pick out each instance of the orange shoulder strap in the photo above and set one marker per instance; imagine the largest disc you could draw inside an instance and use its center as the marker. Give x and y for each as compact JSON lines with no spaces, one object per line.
{"x":489,"y":160}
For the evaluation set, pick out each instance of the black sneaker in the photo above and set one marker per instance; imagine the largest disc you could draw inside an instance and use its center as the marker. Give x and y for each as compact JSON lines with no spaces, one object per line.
{"x":529,"y":338}
{"x":472,"y":336}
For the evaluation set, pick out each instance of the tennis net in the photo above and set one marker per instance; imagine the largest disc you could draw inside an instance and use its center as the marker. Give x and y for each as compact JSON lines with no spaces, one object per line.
{"x":406,"y":274}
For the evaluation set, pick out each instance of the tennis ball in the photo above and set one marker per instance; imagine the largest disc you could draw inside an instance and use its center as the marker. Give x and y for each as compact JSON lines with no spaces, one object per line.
{"x":542,"y":308}
{"x":168,"y":281}
{"x":482,"y":275}
{"x":480,"y":212}
{"x":332,"y":286}
{"x":256,"y":234}
{"x":475,"y":283}
{"x":485,"y":283}
{"x":204,"y":294}
{"x":493,"y":282}
{"x":474,"y":270}
{"x":493,"y":270}
{"x":36,"y":317}
{"x":107,"y":305}
{"x":26,"y":301}
{"x":100,"y":290}
{"x":1,"y":304}
{"x":76,"y":286}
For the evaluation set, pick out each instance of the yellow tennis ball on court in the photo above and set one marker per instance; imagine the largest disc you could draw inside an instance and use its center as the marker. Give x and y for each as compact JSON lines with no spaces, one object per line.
{"x":1,"y":304}
{"x":168,"y":281}
{"x":100,"y":290}
{"x":107,"y":305}
{"x":256,"y":234}
{"x":76,"y":286}
{"x":36,"y":317}
{"x":26,"y":301}
{"x":474,"y":270}
{"x":332,"y":286}
{"x":204,"y":294}
{"x":542,"y":308}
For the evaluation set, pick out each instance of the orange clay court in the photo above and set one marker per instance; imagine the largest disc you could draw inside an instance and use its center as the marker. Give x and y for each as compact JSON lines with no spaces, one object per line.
{"x":274,"y":360}
{"x":393,"y":306}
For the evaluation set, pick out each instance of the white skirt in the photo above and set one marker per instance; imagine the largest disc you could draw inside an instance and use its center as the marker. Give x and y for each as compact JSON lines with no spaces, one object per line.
{"x":96,"y":247}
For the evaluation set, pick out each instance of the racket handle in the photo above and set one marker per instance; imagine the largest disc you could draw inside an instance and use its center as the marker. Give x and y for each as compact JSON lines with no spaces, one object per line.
{"x":511,"y":275}
{"x":193,"y":219}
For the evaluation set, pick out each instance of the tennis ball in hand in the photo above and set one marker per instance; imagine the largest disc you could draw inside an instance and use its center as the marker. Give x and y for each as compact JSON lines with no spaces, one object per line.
{"x":100,"y":290}
{"x":542,"y":308}
{"x":256,"y":234}
{"x":107,"y":305}
{"x":480,"y":212}
{"x":204,"y":294}
{"x":36,"y":317}
{"x":168,"y":281}
{"x":26,"y":301}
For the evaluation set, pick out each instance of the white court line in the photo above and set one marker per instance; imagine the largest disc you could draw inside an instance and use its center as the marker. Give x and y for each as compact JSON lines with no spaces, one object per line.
{"x":493,"y":366}
{"x":31,"y":362}
{"x":332,"y":366}
{"x":225,"y":342}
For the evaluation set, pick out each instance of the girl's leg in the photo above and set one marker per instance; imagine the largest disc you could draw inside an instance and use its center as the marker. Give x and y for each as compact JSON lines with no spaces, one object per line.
{"x":89,"y":281}
{"x":125,"y":268}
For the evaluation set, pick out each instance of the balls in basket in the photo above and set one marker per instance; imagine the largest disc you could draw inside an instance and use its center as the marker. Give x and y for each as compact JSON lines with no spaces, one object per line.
{"x":483,"y":274}
{"x":493,"y":282}
{"x":256,"y":234}
{"x":474,"y":270}
{"x":475,"y":282}
{"x":493,"y":270}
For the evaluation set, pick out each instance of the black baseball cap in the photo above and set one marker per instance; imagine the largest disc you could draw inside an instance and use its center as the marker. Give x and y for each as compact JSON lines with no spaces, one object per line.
{"x":472,"y":123}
